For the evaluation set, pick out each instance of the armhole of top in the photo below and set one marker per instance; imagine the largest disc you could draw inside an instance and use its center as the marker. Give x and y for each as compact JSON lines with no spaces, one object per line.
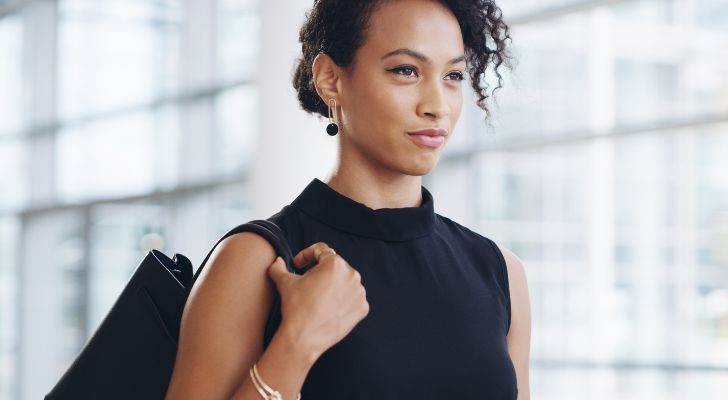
{"x":290,"y":225}
{"x":504,"y":280}
{"x":279,"y":219}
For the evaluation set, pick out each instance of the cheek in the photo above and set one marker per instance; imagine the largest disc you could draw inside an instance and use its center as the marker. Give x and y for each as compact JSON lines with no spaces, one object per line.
{"x":380,"y":103}
{"x":392,"y":99}
{"x":457,"y":105}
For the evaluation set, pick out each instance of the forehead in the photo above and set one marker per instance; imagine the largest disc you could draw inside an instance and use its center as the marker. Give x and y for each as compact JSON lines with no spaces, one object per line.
{"x":423,"y":25}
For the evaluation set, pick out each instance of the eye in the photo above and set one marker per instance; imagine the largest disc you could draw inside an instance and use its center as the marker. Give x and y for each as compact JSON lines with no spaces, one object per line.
{"x":456,"y":76}
{"x":404,"y":71}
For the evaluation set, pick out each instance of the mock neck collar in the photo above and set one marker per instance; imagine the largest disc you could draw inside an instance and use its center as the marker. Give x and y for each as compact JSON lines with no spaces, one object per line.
{"x":345,"y":214}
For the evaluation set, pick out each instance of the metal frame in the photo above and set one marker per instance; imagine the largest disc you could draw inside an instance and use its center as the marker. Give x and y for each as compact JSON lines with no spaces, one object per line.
{"x":190,"y":96}
{"x":39,"y":58}
{"x":582,"y":136}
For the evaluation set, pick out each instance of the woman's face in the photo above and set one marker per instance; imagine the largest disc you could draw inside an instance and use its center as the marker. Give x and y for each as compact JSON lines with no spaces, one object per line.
{"x":406,"y":77}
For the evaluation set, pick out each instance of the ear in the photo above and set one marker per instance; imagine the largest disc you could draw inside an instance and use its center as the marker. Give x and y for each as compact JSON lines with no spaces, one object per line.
{"x":327,"y":78}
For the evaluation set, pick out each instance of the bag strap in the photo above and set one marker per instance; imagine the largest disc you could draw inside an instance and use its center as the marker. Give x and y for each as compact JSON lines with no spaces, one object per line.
{"x":269,"y":231}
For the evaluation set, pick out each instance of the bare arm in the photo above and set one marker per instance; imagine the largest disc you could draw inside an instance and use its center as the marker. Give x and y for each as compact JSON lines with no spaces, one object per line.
{"x":519,"y":335}
{"x":281,"y":366}
{"x":222,"y":327}
{"x":223,"y":322}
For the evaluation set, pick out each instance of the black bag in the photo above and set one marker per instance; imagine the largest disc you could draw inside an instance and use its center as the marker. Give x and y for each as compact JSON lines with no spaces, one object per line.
{"x":132,"y":353}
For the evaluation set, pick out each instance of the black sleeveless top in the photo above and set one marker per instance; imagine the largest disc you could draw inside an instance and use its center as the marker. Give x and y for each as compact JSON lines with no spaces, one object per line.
{"x":439,"y":304}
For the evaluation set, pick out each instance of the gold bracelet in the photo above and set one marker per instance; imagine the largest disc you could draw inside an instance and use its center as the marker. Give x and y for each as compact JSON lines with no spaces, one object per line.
{"x":260,"y":390}
{"x":265,"y":391}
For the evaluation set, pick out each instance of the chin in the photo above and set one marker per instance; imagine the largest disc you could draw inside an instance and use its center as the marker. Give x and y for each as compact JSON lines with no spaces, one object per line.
{"x":420,"y":169}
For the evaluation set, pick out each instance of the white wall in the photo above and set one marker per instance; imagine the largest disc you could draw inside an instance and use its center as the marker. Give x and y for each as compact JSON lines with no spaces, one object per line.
{"x":293,"y":147}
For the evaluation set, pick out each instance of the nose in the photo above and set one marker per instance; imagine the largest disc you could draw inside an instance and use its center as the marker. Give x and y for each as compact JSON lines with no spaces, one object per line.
{"x":433,"y":101}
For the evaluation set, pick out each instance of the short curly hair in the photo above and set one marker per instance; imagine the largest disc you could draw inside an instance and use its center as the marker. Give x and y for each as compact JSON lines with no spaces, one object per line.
{"x":338,"y":27}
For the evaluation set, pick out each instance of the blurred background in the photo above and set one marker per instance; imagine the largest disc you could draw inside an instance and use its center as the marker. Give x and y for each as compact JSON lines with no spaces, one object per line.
{"x":127,"y":125}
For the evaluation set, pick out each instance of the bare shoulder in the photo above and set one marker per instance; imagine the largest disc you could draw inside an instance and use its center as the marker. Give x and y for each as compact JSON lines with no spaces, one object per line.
{"x":517,"y":282}
{"x":515,"y":268}
{"x":233,"y":258}
{"x":519,"y":335}
{"x":221,"y":332}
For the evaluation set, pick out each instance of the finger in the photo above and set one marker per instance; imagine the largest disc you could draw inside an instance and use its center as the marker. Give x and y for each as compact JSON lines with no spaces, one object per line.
{"x":312,"y":253}
{"x":277,"y":271}
{"x":312,"y":256}
{"x":324,"y":254}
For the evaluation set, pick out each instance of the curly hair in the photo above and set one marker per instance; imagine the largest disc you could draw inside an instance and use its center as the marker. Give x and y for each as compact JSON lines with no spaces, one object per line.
{"x":338,"y":27}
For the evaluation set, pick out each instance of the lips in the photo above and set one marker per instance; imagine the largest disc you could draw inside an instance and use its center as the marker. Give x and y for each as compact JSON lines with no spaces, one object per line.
{"x":432,"y":138}
{"x":430,"y":132}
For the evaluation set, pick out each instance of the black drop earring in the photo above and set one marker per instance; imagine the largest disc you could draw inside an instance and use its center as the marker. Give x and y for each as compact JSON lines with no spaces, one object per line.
{"x":332,"y":129}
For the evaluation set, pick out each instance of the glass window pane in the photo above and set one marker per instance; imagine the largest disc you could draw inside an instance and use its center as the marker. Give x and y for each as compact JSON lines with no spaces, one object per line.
{"x":515,"y":8}
{"x":13,"y":173}
{"x":118,"y":156}
{"x":238,"y":35}
{"x":236,"y":130}
{"x":666,"y":189}
{"x":630,"y":64}
{"x":121,"y":235}
{"x":116,"y":54}
{"x":668,"y":64}
{"x":9,"y":242}
{"x":11,"y":100}
{"x":54,"y":298}
{"x":711,"y":14}
{"x":232,"y":207}
{"x":626,"y":384}
{"x":622,"y":238}
{"x":545,"y":95}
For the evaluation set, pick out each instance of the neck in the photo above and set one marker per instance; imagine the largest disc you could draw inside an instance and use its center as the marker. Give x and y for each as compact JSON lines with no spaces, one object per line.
{"x":375,"y":187}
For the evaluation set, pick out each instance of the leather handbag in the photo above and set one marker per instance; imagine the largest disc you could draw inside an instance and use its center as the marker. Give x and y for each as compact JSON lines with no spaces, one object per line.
{"x":131,"y":355}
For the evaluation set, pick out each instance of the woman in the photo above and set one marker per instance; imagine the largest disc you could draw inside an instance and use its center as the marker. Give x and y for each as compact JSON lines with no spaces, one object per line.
{"x":402,"y":303}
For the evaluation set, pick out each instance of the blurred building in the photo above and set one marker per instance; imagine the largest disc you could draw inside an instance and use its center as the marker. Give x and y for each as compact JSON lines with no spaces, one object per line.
{"x":127,"y":125}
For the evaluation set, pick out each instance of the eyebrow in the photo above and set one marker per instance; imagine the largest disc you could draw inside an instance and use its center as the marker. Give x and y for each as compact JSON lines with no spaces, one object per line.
{"x":420,"y":56}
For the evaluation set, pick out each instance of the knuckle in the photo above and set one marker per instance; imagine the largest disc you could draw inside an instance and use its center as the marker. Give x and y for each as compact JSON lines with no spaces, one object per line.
{"x":334,"y":267}
{"x":333,"y":259}
{"x":328,"y":252}
{"x":341,"y":262}
{"x":338,"y":262}
{"x":321,"y":250}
